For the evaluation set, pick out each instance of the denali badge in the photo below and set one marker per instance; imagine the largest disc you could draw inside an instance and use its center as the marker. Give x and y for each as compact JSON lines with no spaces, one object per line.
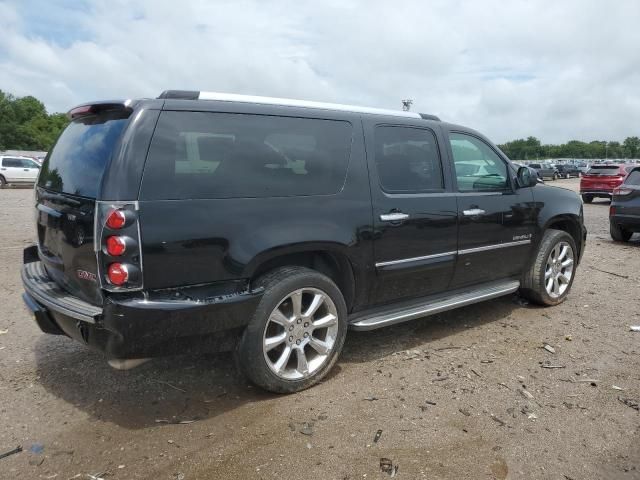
{"x":84,"y":275}
{"x":526,"y":236}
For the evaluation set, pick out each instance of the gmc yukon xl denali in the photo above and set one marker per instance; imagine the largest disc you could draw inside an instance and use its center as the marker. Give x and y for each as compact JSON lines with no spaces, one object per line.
{"x":269,"y":227}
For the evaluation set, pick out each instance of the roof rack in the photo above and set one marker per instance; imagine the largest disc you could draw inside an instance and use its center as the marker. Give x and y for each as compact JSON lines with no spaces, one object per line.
{"x":288,"y":102}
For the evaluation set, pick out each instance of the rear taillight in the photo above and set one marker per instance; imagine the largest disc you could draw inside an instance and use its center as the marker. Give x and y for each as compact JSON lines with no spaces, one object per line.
{"x":116,"y":219}
{"x":612,"y":211}
{"x":116,"y":245}
{"x":118,"y":274}
{"x":622,"y":191}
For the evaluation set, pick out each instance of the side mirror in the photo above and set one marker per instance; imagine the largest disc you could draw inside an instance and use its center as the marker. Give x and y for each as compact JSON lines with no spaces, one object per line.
{"x":527,"y":177}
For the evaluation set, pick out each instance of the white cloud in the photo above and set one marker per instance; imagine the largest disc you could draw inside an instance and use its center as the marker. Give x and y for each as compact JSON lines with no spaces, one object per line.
{"x":556,"y":70}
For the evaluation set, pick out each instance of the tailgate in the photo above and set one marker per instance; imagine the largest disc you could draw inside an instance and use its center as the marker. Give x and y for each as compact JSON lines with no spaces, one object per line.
{"x":66,"y":195}
{"x":65,"y":242}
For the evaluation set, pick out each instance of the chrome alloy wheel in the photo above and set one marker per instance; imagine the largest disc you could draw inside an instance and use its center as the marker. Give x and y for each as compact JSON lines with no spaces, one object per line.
{"x":300,"y":334}
{"x":559,"y":269}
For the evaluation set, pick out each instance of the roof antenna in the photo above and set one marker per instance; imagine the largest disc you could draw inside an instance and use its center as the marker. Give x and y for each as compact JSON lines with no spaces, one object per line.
{"x":406,"y":104}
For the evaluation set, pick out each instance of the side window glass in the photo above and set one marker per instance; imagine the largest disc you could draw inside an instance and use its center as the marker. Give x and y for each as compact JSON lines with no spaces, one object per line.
{"x":28,"y":163}
{"x":407,"y":160}
{"x":228,"y":155}
{"x":12,"y":162}
{"x":478,"y":167}
{"x":633,"y":178}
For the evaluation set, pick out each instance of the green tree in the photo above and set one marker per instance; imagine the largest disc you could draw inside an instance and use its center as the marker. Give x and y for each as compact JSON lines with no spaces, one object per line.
{"x":26,"y":125}
{"x":631,"y":146}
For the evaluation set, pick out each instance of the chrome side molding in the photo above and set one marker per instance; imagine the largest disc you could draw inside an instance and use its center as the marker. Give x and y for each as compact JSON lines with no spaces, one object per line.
{"x":415,"y":259}
{"x":484,"y":248}
{"x":493,"y":247}
{"x":431,"y":307}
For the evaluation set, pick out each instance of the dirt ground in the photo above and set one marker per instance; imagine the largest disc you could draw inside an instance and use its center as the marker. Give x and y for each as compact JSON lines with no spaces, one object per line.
{"x":459,"y":395}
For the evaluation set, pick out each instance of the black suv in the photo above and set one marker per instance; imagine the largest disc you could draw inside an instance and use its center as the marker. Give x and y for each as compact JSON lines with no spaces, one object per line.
{"x":201,"y":221}
{"x":624,"y":212}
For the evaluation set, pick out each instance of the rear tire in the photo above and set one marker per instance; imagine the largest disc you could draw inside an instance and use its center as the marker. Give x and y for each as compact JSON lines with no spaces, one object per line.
{"x":3,"y":182}
{"x":567,"y":176}
{"x":618,"y":233}
{"x":549,"y":279}
{"x":555,"y":176}
{"x":587,"y":198}
{"x":296,"y":333}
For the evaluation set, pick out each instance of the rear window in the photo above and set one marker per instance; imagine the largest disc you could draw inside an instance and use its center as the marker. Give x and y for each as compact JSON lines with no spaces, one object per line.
{"x":603,"y":170}
{"x":79,"y":157}
{"x":224,"y":155}
{"x":633,"y":178}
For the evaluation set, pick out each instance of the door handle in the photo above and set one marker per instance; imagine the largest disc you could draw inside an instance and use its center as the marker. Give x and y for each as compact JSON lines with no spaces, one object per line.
{"x":473,"y":212}
{"x":26,"y":169}
{"x":2,"y":168}
{"x":394,"y":217}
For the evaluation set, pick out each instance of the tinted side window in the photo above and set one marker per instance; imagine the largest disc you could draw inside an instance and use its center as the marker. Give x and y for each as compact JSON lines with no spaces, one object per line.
{"x":12,"y":162}
{"x":26,"y":163}
{"x":633,"y":178}
{"x":478,"y":167}
{"x":407,"y":160}
{"x":225,"y":155}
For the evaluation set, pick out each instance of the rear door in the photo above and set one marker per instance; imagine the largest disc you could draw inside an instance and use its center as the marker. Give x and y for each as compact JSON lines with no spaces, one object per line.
{"x":496,"y":221}
{"x":66,"y":200}
{"x":12,"y":169}
{"x":414,"y":211}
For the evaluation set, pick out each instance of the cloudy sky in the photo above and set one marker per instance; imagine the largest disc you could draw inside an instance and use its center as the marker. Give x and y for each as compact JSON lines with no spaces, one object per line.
{"x":557,"y":70}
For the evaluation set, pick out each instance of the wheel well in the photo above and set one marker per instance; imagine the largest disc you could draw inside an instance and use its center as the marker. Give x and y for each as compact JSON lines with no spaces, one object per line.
{"x":335,"y":266}
{"x":569,"y":226}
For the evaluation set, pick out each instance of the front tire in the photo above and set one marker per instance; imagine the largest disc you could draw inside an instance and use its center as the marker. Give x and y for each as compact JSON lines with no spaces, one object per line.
{"x":550,"y":276}
{"x":3,"y":182}
{"x":587,"y":198}
{"x":296,"y":333}
{"x":618,"y":233}
{"x":555,"y":176}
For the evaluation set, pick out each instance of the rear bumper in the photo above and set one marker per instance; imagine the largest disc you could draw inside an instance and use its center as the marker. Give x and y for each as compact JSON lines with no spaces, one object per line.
{"x":628,"y":222}
{"x":140,"y":325}
{"x":596,"y":192}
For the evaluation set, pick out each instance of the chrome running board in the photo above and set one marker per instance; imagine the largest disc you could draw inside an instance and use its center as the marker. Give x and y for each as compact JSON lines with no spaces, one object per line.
{"x":430,"y":306}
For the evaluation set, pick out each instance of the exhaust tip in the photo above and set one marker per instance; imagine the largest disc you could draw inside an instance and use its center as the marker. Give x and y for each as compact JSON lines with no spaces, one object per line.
{"x":127,"y":363}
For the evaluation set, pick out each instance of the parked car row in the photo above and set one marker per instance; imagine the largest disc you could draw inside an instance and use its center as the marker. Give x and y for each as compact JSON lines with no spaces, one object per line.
{"x":560,"y":170}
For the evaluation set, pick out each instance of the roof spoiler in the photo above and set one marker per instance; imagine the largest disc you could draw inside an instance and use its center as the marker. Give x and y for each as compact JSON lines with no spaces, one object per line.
{"x":93,"y":108}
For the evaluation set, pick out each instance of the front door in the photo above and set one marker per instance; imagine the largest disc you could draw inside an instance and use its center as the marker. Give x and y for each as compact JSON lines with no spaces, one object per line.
{"x":30,"y":169}
{"x":496,"y":221}
{"x":414,"y":212}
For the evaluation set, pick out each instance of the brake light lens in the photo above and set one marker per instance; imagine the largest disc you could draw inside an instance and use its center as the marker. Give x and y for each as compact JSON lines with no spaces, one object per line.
{"x":116,"y":245}
{"x":622,"y":191}
{"x":118,"y":274}
{"x":116,"y":219}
